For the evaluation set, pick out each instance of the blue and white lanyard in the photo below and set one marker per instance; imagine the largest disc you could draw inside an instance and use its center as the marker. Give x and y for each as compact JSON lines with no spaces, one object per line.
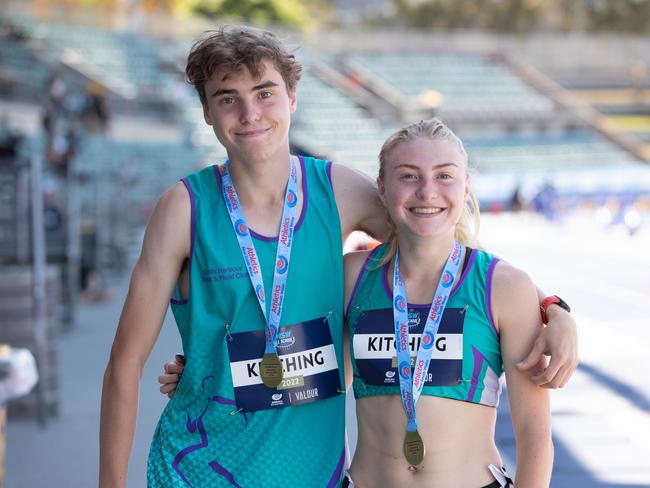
{"x":411,"y":389}
{"x":283,"y":254}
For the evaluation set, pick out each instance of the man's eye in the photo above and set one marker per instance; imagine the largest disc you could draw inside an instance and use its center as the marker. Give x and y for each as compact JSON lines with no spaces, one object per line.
{"x":408,"y":176}
{"x":227,"y":101}
{"x":265,"y":94}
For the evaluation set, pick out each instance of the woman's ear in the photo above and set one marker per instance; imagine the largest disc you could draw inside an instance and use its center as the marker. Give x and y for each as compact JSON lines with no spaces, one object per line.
{"x":381,"y":189}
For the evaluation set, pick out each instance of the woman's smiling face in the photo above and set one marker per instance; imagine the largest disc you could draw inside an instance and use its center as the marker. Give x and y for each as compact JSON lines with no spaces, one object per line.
{"x":425,"y":186}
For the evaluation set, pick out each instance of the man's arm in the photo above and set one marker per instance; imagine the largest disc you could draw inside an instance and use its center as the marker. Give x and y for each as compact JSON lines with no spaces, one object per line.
{"x":358,"y":202}
{"x":166,"y":245}
{"x":559,"y":339}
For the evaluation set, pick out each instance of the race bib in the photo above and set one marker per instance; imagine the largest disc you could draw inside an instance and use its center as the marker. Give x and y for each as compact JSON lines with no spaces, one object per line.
{"x":374,"y":346}
{"x":308,"y":360}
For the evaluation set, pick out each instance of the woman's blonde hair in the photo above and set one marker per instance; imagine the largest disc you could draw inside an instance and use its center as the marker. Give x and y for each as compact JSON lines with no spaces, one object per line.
{"x":469,"y":223}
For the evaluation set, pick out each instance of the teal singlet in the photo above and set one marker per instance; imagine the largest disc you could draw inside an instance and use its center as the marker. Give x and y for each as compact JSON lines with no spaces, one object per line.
{"x":466,"y":362}
{"x":223,"y":428}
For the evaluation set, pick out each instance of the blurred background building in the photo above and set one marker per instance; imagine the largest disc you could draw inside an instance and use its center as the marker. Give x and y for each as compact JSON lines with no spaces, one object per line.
{"x":552,"y":99}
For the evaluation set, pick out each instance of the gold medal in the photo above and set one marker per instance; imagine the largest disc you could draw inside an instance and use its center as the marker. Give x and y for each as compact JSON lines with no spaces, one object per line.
{"x":271,"y":370}
{"x":414,"y":449}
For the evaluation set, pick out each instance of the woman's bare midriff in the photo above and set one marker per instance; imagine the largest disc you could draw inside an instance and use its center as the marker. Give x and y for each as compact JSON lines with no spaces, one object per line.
{"x":459,"y":440}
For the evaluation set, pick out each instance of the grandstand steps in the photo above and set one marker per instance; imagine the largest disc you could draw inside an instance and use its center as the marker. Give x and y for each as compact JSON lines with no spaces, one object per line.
{"x":404,"y":110}
{"x":357,"y":90}
{"x":582,"y":110}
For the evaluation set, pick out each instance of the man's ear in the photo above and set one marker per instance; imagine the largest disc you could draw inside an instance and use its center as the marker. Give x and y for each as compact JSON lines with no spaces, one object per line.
{"x":206,"y":115}
{"x":293,"y":100}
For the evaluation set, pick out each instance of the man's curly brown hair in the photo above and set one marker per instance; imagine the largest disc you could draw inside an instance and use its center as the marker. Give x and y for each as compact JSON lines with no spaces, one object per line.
{"x":229,"y":49}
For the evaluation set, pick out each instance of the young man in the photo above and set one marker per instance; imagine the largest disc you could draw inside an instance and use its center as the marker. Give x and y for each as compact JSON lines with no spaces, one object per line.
{"x":253,"y":248}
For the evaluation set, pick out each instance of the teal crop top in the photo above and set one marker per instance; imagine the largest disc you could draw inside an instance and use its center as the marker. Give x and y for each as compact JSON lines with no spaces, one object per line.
{"x":466,"y":363}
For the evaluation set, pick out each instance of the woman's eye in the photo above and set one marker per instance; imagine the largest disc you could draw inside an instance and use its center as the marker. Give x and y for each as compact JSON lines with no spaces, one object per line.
{"x":408,"y":176}
{"x":445,"y":176}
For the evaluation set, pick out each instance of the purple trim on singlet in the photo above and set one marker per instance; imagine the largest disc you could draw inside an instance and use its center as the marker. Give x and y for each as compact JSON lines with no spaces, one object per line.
{"x":470,"y":261}
{"x":192,"y":227}
{"x":389,"y":293}
{"x":359,"y":276}
{"x":192,"y":426}
{"x":328,"y":169}
{"x":479,"y":359}
{"x":336,"y":476}
{"x":217,"y":468}
{"x":302,"y":212}
{"x":488,"y":294}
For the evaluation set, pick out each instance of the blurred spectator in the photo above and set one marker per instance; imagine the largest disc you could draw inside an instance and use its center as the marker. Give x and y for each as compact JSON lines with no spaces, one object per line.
{"x":545,"y":201}
{"x":9,"y":141}
{"x":517,"y":200}
{"x":95,"y":114}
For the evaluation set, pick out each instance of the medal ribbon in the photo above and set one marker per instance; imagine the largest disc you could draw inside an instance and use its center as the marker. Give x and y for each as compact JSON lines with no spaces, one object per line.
{"x":283,"y":254}
{"x":411,"y":388}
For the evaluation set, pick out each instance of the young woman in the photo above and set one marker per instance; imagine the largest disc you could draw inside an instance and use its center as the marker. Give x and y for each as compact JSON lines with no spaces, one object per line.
{"x":431,"y":423}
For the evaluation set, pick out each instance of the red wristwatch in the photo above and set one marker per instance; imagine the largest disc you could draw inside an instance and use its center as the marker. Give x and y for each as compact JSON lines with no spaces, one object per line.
{"x":549,"y":301}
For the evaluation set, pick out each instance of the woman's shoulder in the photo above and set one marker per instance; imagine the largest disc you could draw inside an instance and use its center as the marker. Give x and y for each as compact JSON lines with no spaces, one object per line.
{"x":353,"y":261}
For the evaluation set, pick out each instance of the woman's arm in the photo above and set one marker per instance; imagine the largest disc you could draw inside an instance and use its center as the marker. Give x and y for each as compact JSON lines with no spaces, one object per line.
{"x":166,"y":245}
{"x":516,"y":313}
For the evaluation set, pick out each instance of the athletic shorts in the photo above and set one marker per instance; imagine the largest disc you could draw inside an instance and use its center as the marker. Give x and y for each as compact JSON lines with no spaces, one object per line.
{"x":348,"y":483}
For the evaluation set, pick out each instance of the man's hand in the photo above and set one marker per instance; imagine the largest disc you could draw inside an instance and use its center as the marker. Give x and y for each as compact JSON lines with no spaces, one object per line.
{"x":559,"y":340}
{"x":172,"y":375}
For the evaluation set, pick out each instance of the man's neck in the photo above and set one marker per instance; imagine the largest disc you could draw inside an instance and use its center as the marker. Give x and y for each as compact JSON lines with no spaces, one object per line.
{"x":261,"y":182}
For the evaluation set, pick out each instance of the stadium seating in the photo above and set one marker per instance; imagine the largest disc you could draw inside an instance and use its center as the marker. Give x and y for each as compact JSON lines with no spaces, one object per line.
{"x":471,"y":84}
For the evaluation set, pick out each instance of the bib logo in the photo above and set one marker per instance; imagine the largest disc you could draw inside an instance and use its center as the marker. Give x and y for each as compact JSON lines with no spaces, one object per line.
{"x":414,"y":319}
{"x":282,"y":265}
{"x":404,"y":369}
{"x":427,"y":340}
{"x":240,"y":227}
{"x":259,"y":290}
{"x":400,"y":303}
{"x":276,"y":399}
{"x":292,"y":199}
{"x":285,"y":338}
{"x":390,"y":374}
{"x":447,"y":279}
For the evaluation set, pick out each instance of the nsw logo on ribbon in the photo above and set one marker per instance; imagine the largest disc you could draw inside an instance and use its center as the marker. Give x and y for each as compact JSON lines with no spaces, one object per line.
{"x":447,"y":279}
{"x":282,"y":264}
{"x":259,"y":290}
{"x":404,"y":369}
{"x":292,"y":199}
{"x":240,"y":227}
{"x":427,"y":340}
{"x":400,"y":303}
